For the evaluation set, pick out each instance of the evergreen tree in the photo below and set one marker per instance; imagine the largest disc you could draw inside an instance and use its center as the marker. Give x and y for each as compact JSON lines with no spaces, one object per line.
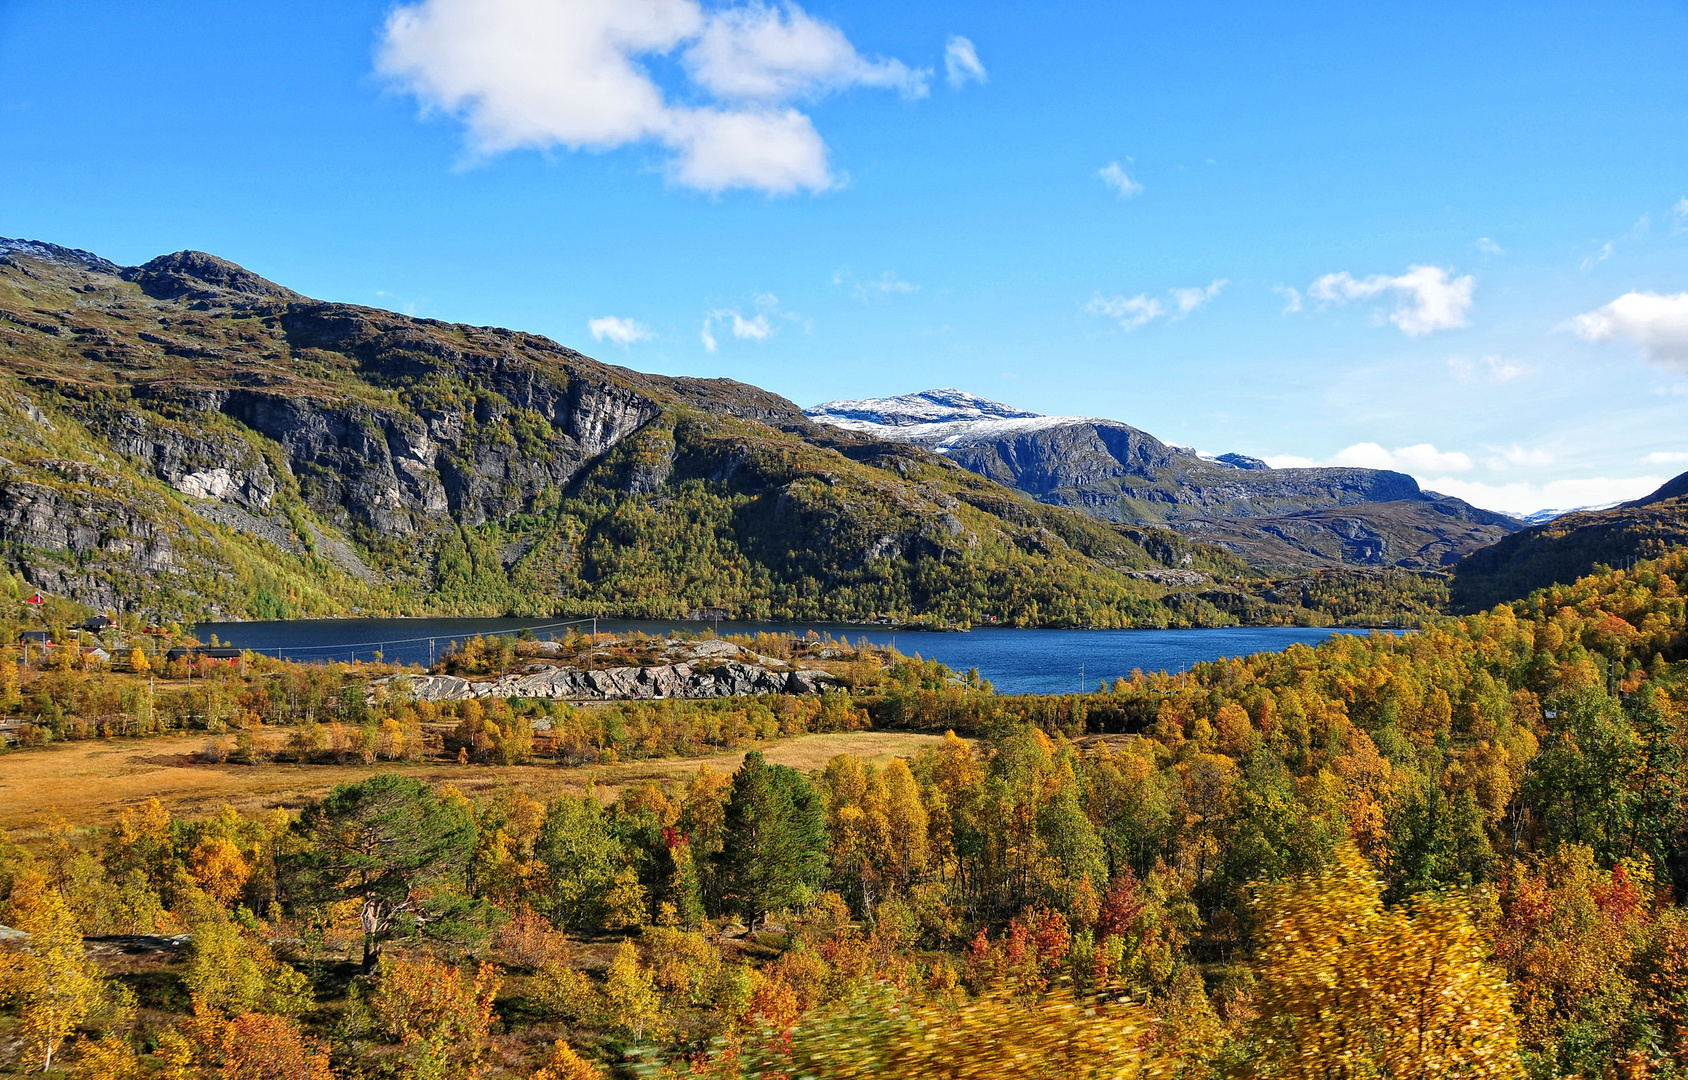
{"x":393,"y":845}
{"x":774,"y":853}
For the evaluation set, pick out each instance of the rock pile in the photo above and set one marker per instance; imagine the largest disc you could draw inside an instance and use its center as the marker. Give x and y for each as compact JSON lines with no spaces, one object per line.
{"x":687,"y":669}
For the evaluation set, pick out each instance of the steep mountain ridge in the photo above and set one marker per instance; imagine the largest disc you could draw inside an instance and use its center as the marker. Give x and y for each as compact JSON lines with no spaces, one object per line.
{"x":192,"y":438}
{"x":1275,"y":519}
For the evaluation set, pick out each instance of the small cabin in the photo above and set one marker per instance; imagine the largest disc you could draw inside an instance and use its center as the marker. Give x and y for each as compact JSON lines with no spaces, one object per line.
{"x":97,"y":623}
{"x":35,"y":637}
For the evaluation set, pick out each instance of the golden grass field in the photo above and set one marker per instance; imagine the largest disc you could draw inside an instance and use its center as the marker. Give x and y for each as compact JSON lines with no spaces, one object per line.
{"x":89,"y":783}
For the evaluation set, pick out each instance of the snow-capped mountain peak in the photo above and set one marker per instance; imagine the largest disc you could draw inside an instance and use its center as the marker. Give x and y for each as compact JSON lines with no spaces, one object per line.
{"x":941,"y":406}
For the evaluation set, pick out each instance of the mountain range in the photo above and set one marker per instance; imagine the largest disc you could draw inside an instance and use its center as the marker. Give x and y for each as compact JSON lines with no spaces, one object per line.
{"x":187,"y":439}
{"x":1276,"y":520}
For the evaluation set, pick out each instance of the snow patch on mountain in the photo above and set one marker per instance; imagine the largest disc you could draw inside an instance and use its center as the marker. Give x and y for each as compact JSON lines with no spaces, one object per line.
{"x":1541,"y":517}
{"x":947,"y":419}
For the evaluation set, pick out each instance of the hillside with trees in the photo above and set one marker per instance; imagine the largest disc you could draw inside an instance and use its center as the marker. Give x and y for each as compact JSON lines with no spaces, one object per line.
{"x":1568,"y":547}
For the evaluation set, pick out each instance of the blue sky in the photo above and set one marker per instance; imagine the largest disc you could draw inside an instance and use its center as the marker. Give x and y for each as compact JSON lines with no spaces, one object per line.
{"x":1450,"y":238}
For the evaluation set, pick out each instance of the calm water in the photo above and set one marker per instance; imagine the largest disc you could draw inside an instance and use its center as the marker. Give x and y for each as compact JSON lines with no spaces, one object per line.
{"x":1016,"y":661}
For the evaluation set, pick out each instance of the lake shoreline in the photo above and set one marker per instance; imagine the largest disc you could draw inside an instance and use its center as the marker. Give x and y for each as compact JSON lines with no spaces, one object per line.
{"x":1046,"y":660}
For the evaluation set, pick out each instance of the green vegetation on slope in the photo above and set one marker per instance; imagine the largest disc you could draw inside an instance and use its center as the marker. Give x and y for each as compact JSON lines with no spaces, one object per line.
{"x":189,"y":440}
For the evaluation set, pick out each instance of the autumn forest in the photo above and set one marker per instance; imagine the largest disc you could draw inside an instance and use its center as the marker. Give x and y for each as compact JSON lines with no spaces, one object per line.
{"x":1457,"y":852}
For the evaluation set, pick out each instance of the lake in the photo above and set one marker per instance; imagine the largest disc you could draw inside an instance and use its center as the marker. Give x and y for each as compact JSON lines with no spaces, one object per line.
{"x":1015,"y":661}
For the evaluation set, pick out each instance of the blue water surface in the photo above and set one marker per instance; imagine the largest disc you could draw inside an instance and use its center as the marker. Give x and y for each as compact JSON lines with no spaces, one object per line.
{"x":1015,"y":661}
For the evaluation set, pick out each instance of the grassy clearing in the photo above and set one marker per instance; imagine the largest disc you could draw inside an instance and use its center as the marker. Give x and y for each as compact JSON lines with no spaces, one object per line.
{"x":88,"y":783}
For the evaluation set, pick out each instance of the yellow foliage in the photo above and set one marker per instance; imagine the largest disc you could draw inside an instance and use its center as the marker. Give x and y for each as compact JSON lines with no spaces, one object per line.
{"x":565,"y":1064}
{"x":1349,"y":989}
{"x":53,"y":984}
{"x":107,"y":1058}
{"x":630,"y":990}
{"x":219,"y":867}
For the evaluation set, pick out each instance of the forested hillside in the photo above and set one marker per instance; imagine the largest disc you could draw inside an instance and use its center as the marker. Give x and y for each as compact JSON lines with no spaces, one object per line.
{"x":1570,"y":546}
{"x":1458,"y":852}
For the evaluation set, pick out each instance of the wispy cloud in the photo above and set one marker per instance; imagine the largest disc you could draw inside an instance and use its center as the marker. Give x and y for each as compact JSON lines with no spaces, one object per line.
{"x":522,"y":74}
{"x":1656,"y":324}
{"x":1526,"y":497}
{"x":1508,"y":457}
{"x":961,"y":62}
{"x":1491,"y":368}
{"x":617,"y":331}
{"x":1119,"y":181}
{"x":1292,"y":298}
{"x":1428,"y":297}
{"x":1423,"y":457}
{"x":757,"y":327}
{"x":1134,"y":312}
{"x":1489,"y":247}
{"x":1679,"y":217}
{"x":1130,"y":312}
{"x":883,"y":287}
{"x":1190,"y":299}
{"x":1666,"y":457}
{"x":1600,"y":256}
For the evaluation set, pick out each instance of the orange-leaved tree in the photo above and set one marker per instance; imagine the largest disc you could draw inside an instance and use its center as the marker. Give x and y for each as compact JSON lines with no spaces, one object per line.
{"x":441,"y":1014}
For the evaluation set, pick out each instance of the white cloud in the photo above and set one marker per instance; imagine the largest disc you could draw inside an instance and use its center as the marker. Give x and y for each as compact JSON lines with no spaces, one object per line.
{"x":767,"y":54}
{"x":961,"y":62}
{"x":1600,"y":256}
{"x":1119,"y":180}
{"x":757,"y":327}
{"x":1190,"y":299}
{"x":882,"y":287}
{"x":1428,"y":298}
{"x":1130,"y":312}
{"x":1657,"y":324}
{"x":1666,"y":457}
{"x":534,"y":74}
{"x":616,"y":331}
{"x":1489,"y":247}
{"x":1498,"y":370}
{"x":1526,"y":498}
{"x":1515,"y":455}
{"x":1292,"y":298}
{"x":778,"y":151}
{"x":1679,"y":216}
{"x":1422,"y":457}
{"x":1289,"y":461}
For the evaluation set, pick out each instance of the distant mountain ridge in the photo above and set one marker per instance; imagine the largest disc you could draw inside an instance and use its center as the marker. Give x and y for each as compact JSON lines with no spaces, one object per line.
{"x":1276,"y":519}
{"x":1571,"y":545}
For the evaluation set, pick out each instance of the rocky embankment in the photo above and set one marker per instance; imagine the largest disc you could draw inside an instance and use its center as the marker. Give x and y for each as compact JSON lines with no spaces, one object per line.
{"x":710,"y":669}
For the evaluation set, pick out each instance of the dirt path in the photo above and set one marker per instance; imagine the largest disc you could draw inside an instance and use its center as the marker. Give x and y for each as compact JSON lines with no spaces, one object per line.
{"x":88,"y":783}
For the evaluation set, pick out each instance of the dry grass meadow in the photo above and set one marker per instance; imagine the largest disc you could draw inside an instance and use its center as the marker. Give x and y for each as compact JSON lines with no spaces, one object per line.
{"x":89,"y":783}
